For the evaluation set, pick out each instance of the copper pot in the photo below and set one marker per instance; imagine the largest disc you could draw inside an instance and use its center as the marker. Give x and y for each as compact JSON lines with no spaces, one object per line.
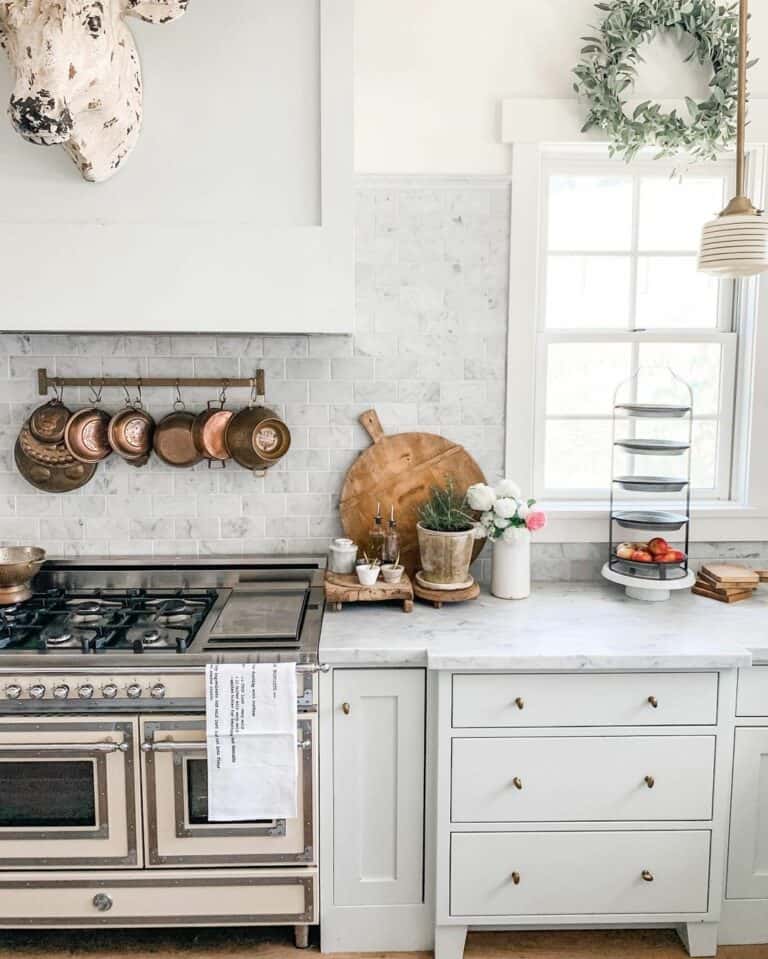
{"x":257,"y":438}
{"x":49,"y":478}
{"x":129,"y":434}
{"x":209,"y":434}
{"x":18,"y":567}
{"x":86,"y":435}
{"x":174,"y":441}
{"x":47,"y":422}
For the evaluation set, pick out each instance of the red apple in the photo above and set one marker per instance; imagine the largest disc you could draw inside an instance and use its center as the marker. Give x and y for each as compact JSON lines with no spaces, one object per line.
{"x":625,"y":550}
{"x":641,"y":556}
{"x":658,"y":546}
{"x":671,"y":556}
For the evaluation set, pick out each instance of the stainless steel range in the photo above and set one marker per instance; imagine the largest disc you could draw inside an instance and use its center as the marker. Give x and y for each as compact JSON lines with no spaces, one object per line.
{"x":103,"y":774}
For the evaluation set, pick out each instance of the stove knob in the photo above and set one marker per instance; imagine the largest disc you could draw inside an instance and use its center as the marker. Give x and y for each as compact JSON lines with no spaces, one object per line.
{"x":61,"y":692}
{"x":109,"y":691}
{"x":13,"y":691}
{"x":37,"y":691}
{"x":85,"y":691}
{"x":157,"y":691}
{"x":134,"y":691}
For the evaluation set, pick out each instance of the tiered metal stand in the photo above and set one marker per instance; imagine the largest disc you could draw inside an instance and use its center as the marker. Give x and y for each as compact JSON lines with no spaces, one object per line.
{"x":650,"y":582}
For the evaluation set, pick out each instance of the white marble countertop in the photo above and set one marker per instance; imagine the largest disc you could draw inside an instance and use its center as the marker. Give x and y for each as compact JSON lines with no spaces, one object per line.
{"x":569,"y":626}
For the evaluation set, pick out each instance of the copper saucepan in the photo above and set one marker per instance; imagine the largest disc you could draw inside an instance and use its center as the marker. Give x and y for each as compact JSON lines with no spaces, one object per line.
{"x":18,"y":567}
{"x":174,"y":441}
{"x":47,"y":422}
{"x":209,"y":432}
{"x":130,"y":431}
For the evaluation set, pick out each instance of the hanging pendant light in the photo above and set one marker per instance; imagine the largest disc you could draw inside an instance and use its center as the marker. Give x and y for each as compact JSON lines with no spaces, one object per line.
{"x":735,"y":245}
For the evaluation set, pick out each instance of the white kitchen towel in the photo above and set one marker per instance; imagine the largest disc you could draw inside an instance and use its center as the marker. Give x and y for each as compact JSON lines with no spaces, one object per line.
{"x":250,"y":719}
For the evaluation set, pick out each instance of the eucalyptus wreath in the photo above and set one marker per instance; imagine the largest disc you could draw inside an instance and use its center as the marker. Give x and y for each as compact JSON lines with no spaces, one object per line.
{"x":608,"y":67}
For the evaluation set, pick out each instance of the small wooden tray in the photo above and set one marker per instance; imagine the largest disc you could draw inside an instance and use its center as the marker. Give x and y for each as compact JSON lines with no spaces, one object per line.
{"x":726,"y":573}
{"x":343,"y":588}
{"x":722,"y":596}
{"x":439,"y":596}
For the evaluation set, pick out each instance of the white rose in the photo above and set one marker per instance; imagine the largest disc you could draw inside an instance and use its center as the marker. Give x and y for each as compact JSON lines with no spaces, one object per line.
{"x":506,"y":507}
{"x":481,"y":497}
{"x":500,"y":522}
{"x":515,"y":534}
{"x":523,"y":511}
{"x":480,"y":532}
{"x":508,"y":488}
{"x":486,"y":520}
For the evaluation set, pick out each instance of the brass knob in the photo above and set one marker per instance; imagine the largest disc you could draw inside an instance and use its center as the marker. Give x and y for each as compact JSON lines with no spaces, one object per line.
{"x":346,"y":709}
{"x":517,"y":782}
{"x":647,"y":876}
{"x":650,"y":782}
{"x":520,"y":702}
{"x":516,"y":878}
{"x":653,"y":701}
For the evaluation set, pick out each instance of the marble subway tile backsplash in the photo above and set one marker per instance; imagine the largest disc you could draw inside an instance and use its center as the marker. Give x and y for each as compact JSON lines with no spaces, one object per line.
{"x":431,"y":296}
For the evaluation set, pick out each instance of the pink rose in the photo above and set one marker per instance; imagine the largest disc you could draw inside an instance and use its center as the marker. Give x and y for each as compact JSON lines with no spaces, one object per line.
{"x":536,"y":520}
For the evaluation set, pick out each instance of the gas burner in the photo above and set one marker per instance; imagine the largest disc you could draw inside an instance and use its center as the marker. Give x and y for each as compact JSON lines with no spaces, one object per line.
{"x":54,"y":637}
{"x":151,"y":636}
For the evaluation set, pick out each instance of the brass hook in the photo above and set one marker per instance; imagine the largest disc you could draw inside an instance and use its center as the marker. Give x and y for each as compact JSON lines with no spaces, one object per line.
{"x":178,"y":402}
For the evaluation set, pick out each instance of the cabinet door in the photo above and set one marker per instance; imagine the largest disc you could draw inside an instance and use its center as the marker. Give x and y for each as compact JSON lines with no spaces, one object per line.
{"x":748,"y":850}
{"x":378,"y":788}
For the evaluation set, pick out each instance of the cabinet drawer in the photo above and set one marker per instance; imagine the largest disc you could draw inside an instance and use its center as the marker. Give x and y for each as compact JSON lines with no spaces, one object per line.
{"x":579,"y":873}
{"x":567,"y":699}
{"x":582,"y":778}
{"x":752,"y":694}
{"x":268,"y":898}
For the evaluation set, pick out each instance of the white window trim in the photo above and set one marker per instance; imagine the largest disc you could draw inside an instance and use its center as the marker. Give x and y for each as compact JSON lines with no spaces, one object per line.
{"x":745,"y":516}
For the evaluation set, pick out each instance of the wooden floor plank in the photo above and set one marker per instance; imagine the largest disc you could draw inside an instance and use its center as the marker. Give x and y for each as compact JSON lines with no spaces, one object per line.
{"x":245,"y":943}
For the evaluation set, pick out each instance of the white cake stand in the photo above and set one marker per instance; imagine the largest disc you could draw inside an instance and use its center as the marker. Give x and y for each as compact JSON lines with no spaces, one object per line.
{"x":648,"y":590}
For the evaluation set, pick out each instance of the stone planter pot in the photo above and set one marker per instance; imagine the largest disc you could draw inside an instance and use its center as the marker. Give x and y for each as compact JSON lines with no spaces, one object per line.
{"x":511,"y":575}
{"x":445,"y":557}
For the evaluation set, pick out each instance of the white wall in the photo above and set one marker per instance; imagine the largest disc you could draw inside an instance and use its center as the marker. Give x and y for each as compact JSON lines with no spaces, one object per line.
{"x":430,"y":75}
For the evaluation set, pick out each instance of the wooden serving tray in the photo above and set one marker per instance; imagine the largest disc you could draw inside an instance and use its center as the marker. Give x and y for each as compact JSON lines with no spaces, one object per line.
{"x":343,"y":588}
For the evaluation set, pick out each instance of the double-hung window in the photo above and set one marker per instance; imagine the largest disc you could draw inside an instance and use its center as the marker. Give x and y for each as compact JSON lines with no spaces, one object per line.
{"x":618,"y":290}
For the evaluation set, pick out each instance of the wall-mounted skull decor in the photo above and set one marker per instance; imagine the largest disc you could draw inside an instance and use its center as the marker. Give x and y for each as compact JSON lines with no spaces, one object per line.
{"x":77,"y":77}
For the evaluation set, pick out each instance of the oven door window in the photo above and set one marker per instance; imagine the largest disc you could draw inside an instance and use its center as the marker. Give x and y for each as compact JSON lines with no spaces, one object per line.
{"x":197,"y":796}
{"x":47,"y":794}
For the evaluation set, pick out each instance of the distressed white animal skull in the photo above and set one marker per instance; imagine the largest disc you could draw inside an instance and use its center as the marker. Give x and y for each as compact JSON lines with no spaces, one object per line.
{"x":77,"y":77}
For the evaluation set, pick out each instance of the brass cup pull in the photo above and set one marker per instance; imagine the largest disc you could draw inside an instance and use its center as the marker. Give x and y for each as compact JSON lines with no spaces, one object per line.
{"x":346,"y":709}
{"x":649,"y":781}
{"x":516,"y":878}
{"x":517,"y":782}
{"x":653,"y":701}
{"x":520,"y":702}
{"x":646,"y":875}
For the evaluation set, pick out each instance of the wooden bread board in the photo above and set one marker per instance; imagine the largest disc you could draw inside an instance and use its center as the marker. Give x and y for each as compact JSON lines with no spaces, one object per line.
{"x":726,"y":573}
{"x":398,"y":471}
{"x":722,"y":596}
{"x":343,"y":588}
{"x":705,"y":580}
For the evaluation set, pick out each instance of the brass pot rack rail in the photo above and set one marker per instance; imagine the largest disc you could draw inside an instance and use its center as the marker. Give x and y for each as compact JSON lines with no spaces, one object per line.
{"x":45,"y":382}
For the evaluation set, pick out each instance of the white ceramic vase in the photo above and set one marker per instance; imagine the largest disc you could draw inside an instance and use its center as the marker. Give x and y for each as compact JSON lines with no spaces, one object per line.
{"x":511,"y":575}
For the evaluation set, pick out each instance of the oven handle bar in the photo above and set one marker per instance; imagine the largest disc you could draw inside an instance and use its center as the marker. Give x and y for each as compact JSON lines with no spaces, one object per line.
{"x":107,"y":747}
{"x":167,"y":746}
{"x":313,"y":668}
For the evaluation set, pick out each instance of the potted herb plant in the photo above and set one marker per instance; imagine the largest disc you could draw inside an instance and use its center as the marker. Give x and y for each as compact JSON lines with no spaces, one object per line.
{"x":446,"y":533}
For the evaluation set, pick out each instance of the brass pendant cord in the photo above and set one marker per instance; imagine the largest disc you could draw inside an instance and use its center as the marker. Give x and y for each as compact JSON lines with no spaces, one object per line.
{"x":741,"y":203}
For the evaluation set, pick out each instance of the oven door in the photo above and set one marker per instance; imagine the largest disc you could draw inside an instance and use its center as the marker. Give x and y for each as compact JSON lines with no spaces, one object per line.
{"x":176,"y":804}
{"x":68,"y":793}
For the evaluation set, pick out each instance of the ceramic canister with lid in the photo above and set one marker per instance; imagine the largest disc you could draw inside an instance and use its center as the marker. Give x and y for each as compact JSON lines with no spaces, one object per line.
{"x":342,"y":556}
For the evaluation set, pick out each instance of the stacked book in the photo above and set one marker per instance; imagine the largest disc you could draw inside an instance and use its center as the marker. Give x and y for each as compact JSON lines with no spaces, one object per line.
{"x":726,"y":582}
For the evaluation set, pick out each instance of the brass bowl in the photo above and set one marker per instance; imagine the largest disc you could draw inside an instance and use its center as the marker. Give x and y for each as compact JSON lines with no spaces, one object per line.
{"x":86,"y":435}
{"x":18,"y":567}
{"x":257,"y":438}
{"x":129,"y":433}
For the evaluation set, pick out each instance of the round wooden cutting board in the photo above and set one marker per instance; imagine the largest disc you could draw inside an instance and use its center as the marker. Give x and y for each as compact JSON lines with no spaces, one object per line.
{"x":398,"y":471}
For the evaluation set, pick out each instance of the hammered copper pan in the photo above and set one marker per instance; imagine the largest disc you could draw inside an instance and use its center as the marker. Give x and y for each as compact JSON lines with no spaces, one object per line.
{"x":18,"y":567}
{"x":48,"y":421}
{"x":86,"y":435}
{"x":53,"y":479}
{"x":209,"y":434}
{"x":257,"y":438}
{"x":174,"y":441}
{"x":130,"y":433}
